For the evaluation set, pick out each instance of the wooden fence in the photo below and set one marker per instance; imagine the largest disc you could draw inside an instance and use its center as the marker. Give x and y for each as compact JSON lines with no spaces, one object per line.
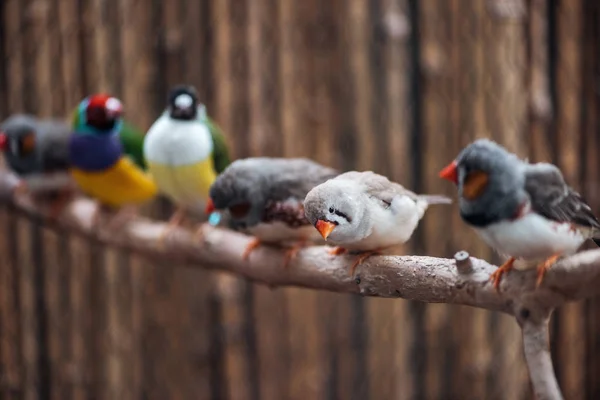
{"x":397,"y":86}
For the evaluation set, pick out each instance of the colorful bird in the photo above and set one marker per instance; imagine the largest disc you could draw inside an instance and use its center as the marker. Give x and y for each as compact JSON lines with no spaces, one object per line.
{"x":99,"y":165}
{"x":365,"y":213}
{"x":184,"y":156}
{"x":524,"y":211}
{"x":37,"y":151}
{"x":132,"y":139}
{"x":264,"y":197}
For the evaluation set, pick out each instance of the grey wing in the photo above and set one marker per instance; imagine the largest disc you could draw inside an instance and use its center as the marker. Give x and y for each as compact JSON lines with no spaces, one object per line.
{"x":54,"y":145}
{"x":378,"y":186}
{"x":296,"y":177}
{"x":552,"y":198}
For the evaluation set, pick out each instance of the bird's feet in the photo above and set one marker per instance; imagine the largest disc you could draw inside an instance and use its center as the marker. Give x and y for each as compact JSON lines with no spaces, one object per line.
{"x":250,"y":248}
{"x":543,"y":267}
{"x":58,"y":205}
{"x":293,"y":252}
{"x":175,"y":220}
{"x":361,"y":258}
{"x":337,"y":251}
{"x":496,"y":277}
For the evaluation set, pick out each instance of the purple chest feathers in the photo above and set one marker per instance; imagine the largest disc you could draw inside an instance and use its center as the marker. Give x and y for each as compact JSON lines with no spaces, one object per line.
{"x":94,"y":153}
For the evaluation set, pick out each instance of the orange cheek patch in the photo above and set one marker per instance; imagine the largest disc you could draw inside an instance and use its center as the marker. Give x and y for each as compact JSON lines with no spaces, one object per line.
{"x":475,"y":184}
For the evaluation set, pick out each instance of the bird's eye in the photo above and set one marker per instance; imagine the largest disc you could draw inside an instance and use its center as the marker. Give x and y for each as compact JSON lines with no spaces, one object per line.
{"x":331,"y":210}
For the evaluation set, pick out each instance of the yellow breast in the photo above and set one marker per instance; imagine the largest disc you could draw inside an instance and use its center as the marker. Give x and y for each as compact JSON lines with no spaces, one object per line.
{"x":122,"y":184}
{"x":187,"y":185}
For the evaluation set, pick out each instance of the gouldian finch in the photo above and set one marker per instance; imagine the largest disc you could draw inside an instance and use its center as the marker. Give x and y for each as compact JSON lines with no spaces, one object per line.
{"x":524,"y":211}
{"x":37,"y":151}
{"x":366,"y":213}
{"x":182,"y":153}
{"x":132,"y":139}
{"x":264,"y":197}
{"x":99,"y":165}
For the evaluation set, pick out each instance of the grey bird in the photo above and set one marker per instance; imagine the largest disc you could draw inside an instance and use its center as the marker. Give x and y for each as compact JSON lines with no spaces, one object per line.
{"x":366,"y":213}
{"x":264,"y":196}
{"x":522,"y":210}
{"x":37,"y":151}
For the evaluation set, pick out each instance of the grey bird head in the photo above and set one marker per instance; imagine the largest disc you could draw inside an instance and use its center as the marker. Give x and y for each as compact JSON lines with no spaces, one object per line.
{"x":490,"y":182}
{"x":183,"y":102}
{"x":19,"y":144}
{"x":246,"y":187}
{"x":339,"y":211}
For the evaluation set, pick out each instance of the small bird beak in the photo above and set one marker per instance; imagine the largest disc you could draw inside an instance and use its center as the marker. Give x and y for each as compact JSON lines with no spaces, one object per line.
{"x":325,"y":228}
{"x":450,"y":173}
{"x":3,"y":141}
{"x":210,"y":207}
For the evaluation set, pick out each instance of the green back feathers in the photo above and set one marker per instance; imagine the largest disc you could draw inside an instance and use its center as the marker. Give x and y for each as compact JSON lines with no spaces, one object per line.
{"x":220,"y":151}
{"x":131,"y":138}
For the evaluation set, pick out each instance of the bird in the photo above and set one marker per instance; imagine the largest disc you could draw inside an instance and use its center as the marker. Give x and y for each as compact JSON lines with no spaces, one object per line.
{"x":263,"y":197}
{"x":36,"y":150}
{"x":98,"y":163}
{"x":365,"y":213}
{"x":525,"y":211}
{"x":132,"y":138}
{"x":184,"y":156}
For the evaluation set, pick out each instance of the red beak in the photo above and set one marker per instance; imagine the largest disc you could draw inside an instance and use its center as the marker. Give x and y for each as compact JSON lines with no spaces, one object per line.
{"x":3,"y":141}
{"x":210,"y":207}
{"x":450,"y":172}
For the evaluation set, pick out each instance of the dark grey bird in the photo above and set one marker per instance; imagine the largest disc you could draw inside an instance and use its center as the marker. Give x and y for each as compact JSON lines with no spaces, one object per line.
{"x":264,"y":197}
{"x":37,"y":151}
{"x":524,"y":211}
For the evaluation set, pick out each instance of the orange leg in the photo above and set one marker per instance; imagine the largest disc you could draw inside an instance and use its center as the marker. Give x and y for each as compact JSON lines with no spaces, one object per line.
{"x":361,"y":257}
{"x":543,"y":267}
{"x":497,"y":275}
{"x":58,"y":205}
{"x":293,"y":252}
{"x":175,"y":220}
{"x":251,"y":246}
{"x":337,"y":251}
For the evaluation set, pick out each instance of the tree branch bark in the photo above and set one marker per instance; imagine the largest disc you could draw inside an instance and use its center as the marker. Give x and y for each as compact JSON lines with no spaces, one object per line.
{"x":462,"y":280}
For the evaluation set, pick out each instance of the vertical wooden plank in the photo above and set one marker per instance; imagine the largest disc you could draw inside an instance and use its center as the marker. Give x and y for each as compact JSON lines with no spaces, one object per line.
{"x":106,"y":45}
{"x":79,"y":371}
{"x":29,"y":318}
{"x":14,"y":59}
{"x":90,"y":71}
{"x":70,"y":37}
{"x":568,"y":130}
{"x":13,"y":383}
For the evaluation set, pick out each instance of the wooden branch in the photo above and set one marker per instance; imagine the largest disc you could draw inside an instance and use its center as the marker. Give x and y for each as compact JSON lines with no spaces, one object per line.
{"x":461,"y":280}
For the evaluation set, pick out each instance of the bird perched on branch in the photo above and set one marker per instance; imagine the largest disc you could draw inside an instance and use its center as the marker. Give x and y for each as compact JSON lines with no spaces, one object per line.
{"x":185,"y":151}
{"x":365,"y":213}
{"x":37,"y":151}
{"x":131,"y":138}
{"x":264,"y":197}
{"x":524,"y":211}
{"x":99,"y":166}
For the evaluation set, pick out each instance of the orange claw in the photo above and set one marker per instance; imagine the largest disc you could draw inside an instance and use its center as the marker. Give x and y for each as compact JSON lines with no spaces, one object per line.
{"x":251,"y":246}
{"x":293,"y":252}
{"x":543,"y":267}
{"x":496,"y":277}
{"x":361,"y":257}
{"x":337,"y":251}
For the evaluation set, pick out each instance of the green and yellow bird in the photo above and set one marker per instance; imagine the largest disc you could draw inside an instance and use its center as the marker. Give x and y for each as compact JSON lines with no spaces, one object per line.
{"x":185,"y":151}
{"x":132,"y":138}
{"x":99,"y":165}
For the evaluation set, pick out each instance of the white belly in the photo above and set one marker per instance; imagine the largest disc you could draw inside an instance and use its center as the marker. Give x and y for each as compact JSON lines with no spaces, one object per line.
{"x":278,"y":232}
{"x":532,"y":237}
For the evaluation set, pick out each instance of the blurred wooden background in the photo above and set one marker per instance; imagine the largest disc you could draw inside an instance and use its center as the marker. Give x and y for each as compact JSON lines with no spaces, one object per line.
{"x":397,"y":86}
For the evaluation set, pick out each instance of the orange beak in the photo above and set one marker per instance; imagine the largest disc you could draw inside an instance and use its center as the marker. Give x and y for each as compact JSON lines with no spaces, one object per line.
{"x":324,"y":228}
{"x":210,"y":207}
{"x":450,"y":172}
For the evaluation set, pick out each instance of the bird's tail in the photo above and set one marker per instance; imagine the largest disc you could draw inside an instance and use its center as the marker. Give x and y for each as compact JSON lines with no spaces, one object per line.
{"x":435,"y":199}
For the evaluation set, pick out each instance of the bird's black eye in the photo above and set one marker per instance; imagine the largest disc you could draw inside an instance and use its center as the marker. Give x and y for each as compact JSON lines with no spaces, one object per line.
{"x":331,"y":210}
